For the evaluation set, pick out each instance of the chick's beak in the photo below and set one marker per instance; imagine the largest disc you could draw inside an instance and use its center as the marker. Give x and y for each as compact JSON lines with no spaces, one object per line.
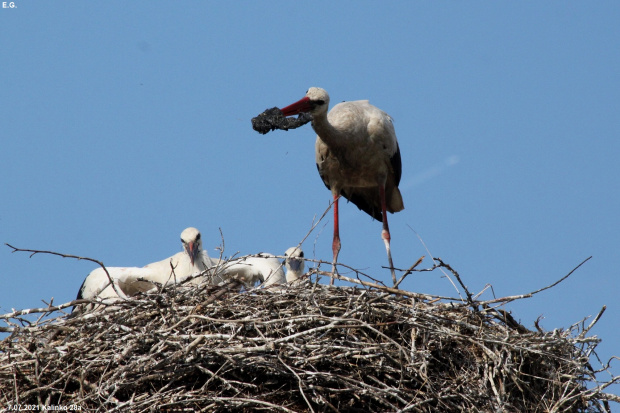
{"x":191,"y":251}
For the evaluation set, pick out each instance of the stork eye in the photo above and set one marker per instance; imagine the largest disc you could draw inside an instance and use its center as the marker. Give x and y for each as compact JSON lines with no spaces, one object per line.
{"x":319,"y":102}
{"x":198,"y":236}
{"x":301,"y":255}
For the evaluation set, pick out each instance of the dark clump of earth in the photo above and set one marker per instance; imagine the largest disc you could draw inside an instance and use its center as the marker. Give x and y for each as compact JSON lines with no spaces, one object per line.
{"x":272,"y":119}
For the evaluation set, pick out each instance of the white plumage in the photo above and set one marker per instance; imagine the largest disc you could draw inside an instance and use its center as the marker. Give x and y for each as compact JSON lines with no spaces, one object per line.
{"x":130,"y":281}
{"x":191,"y":261}
{"x":294,"y":264}
{"x":266,"y":269}
{"x":261,"y":268}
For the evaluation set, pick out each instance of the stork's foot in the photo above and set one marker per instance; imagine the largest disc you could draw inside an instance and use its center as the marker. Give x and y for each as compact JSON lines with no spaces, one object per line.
{"x":336,"y":251}
{"x":386,"y":240}
{"x":334,"y":273}
{"x":334,"y":270}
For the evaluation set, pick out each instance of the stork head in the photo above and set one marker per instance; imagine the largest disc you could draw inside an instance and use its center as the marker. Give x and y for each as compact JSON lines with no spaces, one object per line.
{"x":192,"y":244}
{"x":294,"y":263}
{"x":315,"y":102}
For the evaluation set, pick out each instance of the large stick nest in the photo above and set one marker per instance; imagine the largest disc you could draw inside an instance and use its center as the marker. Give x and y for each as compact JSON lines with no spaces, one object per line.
{"x":308,"y":347}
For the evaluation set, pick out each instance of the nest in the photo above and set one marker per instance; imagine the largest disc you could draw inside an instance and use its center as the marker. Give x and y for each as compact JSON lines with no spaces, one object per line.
{"x":305,"y":347}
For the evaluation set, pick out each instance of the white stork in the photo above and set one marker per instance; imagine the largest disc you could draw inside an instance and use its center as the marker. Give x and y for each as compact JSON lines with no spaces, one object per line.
{"x":293,"y":260}
{"x":265,"y":268}
{"x":357,"y":156}
{"x":191,"y":261}
{"x":129,"y":281}
{"x":97,"y":284}
{"x":261,"y":268}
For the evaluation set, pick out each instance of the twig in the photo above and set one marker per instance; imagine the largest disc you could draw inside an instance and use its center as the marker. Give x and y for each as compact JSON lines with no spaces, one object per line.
{"x":470,"y":300}
{"x":598,"y":317}
{"x":529,"y":295}
{"x":409,"y":271}
{"x":373,"y":285}
{"x":34,"y":252}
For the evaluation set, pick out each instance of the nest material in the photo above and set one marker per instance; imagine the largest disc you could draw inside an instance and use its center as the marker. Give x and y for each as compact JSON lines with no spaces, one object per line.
{"x":272,"y":119}
{"x":308,"y":347}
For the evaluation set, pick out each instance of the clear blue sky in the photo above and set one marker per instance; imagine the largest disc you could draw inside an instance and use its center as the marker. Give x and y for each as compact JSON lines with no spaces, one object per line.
{"x":122,"y":123}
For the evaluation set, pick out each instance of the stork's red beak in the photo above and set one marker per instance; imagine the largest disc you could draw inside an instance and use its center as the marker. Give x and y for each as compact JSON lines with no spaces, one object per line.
{"x":303,"y":105}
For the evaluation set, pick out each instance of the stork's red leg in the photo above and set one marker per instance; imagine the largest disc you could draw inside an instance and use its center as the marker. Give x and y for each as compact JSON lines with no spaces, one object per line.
{"x":336,"y":242}
{"x":385,"y":233}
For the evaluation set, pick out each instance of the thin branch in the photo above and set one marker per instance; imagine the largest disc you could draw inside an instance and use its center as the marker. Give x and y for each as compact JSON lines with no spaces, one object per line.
{"x":408,"y":271}
{"x":529,"y":295}
{"x":593,"y":323}
{"x":470,"y":300}
{"x":377,"y":286}
{"x":34,"y":252}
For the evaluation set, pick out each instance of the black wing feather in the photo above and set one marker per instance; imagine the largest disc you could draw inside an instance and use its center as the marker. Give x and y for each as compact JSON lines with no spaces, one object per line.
{"x":359,"y":198}
{"x":397,"y":165}
{"x":81,"y":290}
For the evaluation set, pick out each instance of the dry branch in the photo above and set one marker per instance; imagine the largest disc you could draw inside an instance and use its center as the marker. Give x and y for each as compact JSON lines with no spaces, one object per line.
{"x":35,"y":252}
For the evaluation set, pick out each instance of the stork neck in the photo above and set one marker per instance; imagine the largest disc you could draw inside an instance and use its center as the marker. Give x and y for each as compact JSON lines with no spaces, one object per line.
{"x":201,"y":262}
{"x":292,"y":275}
{"x":328,"y":133}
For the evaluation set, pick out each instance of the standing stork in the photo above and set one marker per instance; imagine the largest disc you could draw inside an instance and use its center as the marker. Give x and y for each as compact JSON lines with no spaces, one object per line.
{"x":357,"y":156}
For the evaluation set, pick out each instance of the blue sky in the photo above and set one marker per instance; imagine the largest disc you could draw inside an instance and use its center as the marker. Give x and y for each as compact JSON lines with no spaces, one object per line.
{"x":125,"y":122}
